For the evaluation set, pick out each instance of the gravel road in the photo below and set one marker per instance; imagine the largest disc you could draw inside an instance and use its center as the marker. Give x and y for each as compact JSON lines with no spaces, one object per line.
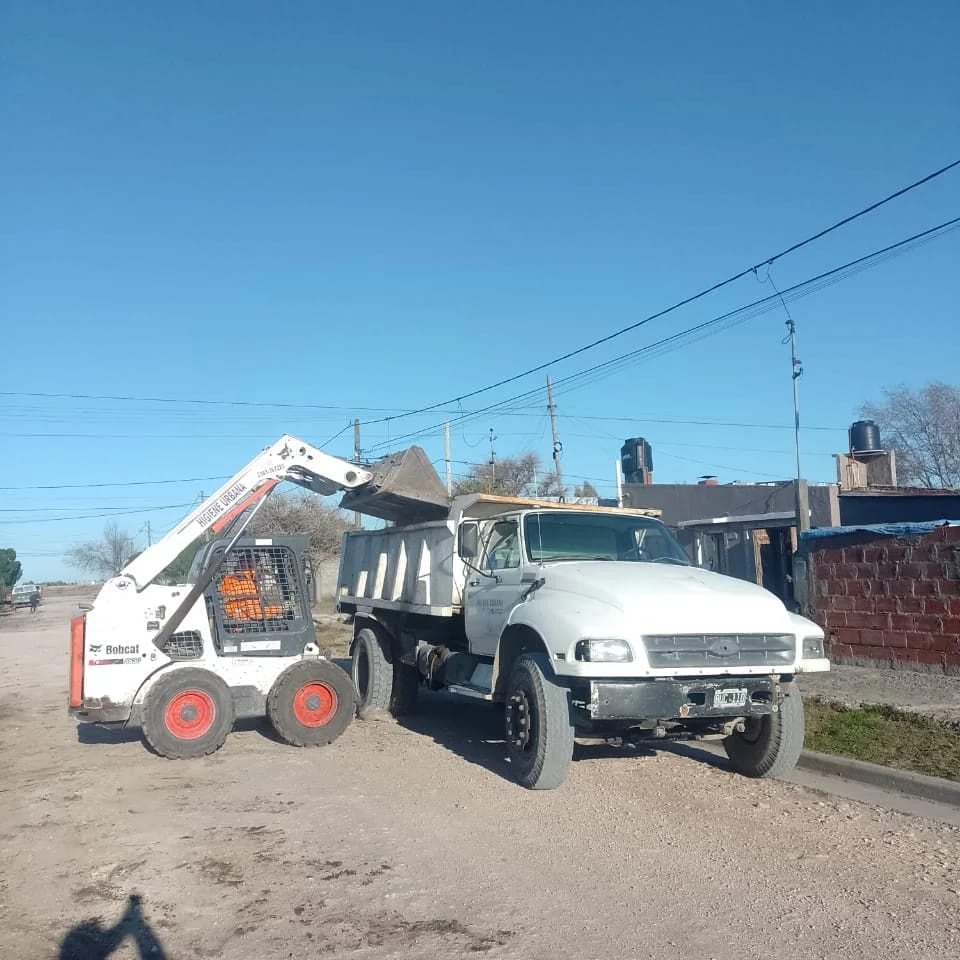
{"x":408,"y":841}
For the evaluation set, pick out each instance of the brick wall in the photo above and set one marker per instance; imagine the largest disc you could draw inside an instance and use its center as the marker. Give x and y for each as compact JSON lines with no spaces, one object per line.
{"x":890,"y":601}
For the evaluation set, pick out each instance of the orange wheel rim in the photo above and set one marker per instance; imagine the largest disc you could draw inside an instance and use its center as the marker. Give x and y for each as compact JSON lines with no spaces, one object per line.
{"x":314,"y":704}
{"x":190,"y":714}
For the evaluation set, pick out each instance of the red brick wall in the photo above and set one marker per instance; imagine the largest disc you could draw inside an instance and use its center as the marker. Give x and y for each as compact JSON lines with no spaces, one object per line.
{"x":889,"y":600}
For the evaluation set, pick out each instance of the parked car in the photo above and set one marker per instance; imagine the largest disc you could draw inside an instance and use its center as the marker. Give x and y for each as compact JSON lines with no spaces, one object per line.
{"x":22,"y":593}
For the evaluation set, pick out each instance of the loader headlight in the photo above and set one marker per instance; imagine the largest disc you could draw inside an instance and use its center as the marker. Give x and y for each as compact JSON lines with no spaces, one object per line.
{"x":604,"y":651}
{"x":813,"y":648}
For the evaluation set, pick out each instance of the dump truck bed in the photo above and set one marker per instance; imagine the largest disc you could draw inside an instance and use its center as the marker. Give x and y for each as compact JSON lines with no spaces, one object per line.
{"x":414,"y":569}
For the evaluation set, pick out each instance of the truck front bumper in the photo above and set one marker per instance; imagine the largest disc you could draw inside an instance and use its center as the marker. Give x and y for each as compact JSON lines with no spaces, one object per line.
{"x":683,"y":699}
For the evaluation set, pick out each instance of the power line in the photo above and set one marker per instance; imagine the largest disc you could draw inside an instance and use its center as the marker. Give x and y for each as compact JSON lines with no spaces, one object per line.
{"x":118,"y":483}
{"x":96,"y":516}
{"x":696,"y":296}
{"x":88,"y":506}
{"x":792,"y":248}
{"x":731,"y":318}
{"x":740,"y":315}
{"x":700,"y":423}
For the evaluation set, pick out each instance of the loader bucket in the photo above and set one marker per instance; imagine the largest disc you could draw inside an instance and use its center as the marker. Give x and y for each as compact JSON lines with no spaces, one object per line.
{"x":405,"y":489}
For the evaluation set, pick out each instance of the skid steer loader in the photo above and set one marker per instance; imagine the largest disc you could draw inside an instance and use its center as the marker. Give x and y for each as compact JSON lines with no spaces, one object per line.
{"x":184,"y":661}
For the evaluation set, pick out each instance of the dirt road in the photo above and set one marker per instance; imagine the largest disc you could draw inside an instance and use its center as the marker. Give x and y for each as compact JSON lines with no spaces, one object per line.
{"x":408,"y":841}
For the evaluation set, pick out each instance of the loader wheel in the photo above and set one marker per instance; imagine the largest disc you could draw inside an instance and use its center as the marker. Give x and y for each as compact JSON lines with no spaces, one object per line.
{"x":187,"y":713}
{"x":538,"y":726}
{"x":384,"y":686}
{"x":311,"y":703}
{"x":771,"y":745}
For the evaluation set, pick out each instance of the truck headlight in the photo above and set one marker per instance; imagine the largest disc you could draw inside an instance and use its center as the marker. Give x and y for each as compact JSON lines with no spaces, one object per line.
{"x":604,"y":651}
{"x":813,"y":648}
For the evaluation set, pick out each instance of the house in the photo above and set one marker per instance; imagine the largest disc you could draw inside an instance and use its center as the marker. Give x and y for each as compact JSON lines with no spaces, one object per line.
{"x":747,"y":531}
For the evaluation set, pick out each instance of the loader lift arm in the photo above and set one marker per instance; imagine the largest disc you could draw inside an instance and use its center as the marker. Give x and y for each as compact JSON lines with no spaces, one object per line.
{"x":287,"y":459}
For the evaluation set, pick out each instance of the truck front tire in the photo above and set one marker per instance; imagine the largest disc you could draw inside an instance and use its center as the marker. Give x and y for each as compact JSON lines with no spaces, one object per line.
{"x":538,"y":726}
{"x":187,"y":713}
{"x":384,"y":685}
{"x":771,"y":745}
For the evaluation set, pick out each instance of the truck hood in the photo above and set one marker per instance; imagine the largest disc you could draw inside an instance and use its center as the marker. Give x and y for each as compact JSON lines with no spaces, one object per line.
{"x":668,"y":598}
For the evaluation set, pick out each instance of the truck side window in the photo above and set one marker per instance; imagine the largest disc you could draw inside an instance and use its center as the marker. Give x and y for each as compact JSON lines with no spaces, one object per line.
{"x":502,"y":545}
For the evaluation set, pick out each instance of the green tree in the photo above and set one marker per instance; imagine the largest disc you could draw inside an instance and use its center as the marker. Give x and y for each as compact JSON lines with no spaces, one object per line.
{"x":10,"y":568}
{"x":586,"y":489}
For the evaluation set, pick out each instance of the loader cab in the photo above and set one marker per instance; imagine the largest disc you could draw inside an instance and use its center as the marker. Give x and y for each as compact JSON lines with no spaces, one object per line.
{"x":257,"y":602}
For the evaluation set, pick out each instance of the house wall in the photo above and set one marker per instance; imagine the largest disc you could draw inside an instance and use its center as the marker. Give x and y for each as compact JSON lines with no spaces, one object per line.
{"x":692,"y":501}
{"x":887,"y":601}
{"x":866,"y":508}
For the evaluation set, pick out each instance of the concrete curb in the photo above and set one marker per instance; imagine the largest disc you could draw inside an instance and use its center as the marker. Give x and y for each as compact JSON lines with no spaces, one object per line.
{"x":887,"y":778}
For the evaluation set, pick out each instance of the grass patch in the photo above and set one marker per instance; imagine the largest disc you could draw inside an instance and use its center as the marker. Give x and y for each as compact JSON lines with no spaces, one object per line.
{"x":880,"y":734}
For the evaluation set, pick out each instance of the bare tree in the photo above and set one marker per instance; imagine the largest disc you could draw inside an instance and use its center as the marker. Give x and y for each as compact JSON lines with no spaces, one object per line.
{"x":923,"y":427}
{"x":303,"y":514}
{"x":586,"y":490}
{"x":105,"y":557}
{"x":549,"y":487}
{"x":519,"y":476}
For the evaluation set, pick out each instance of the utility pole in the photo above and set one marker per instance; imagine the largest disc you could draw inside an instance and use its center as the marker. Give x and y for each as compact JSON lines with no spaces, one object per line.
{"x":493,"y":463}
{"x":149,"y":535}
{"x":557,"y":445}
{"x":356,"y":456}
{"x":796,"y":371}
{"x":446,"y":457}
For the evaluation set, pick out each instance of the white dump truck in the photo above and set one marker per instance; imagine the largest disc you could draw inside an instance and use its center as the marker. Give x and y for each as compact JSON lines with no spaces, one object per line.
{"x":581,"y":621}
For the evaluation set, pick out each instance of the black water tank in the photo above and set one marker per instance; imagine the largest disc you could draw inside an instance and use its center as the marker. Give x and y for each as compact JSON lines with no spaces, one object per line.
{"x":865,"y":437}
{"x":636,"y":456}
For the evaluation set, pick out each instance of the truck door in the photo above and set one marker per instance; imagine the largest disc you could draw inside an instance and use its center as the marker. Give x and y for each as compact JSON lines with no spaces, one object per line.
{"x":492,"y":594}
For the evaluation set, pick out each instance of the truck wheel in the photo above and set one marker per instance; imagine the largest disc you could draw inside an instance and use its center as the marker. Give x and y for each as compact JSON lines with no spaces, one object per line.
{"x":539,"y":731}
{"x":383,"y":686}
{"x":311,"y":703}
{"x":771,"y":745}
{"x":187,"y":713}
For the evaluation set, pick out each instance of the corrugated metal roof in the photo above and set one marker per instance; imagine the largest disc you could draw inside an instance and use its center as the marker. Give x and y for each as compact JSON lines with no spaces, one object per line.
{"x":880,"y":529}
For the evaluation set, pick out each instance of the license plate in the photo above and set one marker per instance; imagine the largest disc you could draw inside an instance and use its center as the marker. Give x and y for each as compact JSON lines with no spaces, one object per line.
{"x":731,"y":697}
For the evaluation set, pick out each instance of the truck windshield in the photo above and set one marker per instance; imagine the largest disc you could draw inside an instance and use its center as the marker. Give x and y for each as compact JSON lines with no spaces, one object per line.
{"x":585,"y":536}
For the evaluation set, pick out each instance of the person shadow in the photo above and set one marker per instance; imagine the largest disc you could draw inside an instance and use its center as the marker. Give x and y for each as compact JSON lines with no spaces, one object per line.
{"x":90,"y":940}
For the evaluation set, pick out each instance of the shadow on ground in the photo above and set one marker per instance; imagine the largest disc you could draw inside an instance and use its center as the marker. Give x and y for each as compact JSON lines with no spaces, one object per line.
{"x":473,"y":730}
{"x":91,"y":734}
{"x":90,"y":940}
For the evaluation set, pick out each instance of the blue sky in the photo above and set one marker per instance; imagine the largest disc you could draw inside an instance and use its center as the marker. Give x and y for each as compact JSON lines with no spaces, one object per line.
{"x":381,"y":206}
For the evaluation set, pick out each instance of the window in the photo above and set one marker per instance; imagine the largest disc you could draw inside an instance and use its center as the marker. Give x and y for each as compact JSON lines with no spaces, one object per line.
{"x":501,"y":540}
{"x":589,"y":536}
{"x":257,"y":590}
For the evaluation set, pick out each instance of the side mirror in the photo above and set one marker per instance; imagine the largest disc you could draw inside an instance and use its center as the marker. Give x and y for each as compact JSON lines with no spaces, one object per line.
{"x":468,"y":540}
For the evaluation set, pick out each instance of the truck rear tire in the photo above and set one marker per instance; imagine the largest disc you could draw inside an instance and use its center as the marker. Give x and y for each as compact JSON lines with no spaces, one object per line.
{"x":771,"y":745}
{"x":187,"y":713}
{"x":384,"y":685}
{"x":538,"y":726}
{"x":311,"y":703}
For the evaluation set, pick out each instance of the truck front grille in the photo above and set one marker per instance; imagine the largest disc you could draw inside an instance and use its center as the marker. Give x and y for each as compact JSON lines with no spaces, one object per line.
{"x":721,"y":650}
